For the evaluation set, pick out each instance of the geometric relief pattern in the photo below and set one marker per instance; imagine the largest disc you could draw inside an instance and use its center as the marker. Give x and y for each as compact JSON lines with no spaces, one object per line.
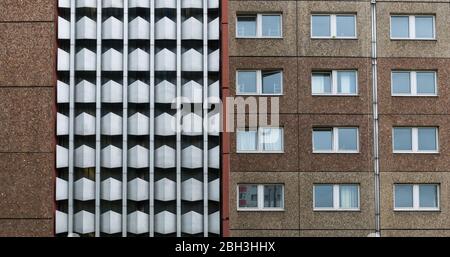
{"x":135,"y":79}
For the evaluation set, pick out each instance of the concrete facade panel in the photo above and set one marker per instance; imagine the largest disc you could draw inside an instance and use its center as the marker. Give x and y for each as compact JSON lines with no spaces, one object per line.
{"x":439,"y":48}
{"x":414,"y":162}
{"x":285,"y":46}
{"x":286,"y":161}
{"x":266,"y":220}
{"x":359,"y":47}
{"x":391,"y":219}
{"x":345,"y":220}
{"x":360,"y":104}
{"x":27,"y":54}
{"x":288,"y":101}
{"x":389,"y":104}
{"x":339,"y":162}
{"x":26,"y":188}
{"x":27,"y":119}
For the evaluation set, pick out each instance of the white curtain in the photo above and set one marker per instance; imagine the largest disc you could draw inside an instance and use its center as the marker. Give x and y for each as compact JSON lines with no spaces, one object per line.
{"x":318,"y":83}
{"x":348,"y":196}
{"x":246,"y":140}
{"x":272,"y":139}
{"x":346,"y":82}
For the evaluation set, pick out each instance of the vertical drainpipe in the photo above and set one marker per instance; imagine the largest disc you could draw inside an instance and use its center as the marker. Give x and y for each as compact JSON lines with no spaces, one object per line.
{"x":376,"y":159}
{"x":125,"y":119}
{"x":151,"y":177}
{"x":178,"y":142}
{"x":71,"y":117}
{"x":225,"y":136}
{"x":205,"y":118}
{"x":98,"y":118}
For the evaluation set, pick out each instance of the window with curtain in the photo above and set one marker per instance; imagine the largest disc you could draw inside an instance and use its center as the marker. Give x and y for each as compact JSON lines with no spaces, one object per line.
{"x":246,"y":26}
{"x":341,"y":197}
{"x":261,"y":140}
{"x":348,"y":197}
{"x":271,"y":25}
{"x":247,"y":140}
{"x":336,"y":82}
{"x":272,"y":139}
{"x":321,"y":83}
{"x":411,"y":197}
{"x":346,"y":82}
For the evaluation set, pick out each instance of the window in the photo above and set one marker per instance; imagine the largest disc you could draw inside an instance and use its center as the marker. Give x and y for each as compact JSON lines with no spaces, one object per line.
{"x":413,"y":83}
{"x":335,"y":140}
{"x":337,"y":82}
{"x":333,"y":26}
{"x":416,"y":197}
{"x":415,"y":140}
{"x":261,"y":197}
{"x":259,"y":82}
{"x":260,"y":140}
{"x":259,"y":25}
{"x":342,"y":197}
{"x":412,"y":27}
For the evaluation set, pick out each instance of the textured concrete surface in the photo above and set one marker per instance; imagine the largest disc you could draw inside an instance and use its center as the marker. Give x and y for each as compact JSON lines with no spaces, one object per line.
{"x":264,"y":233}
{"x":27,"y":10}
{"x":26,"y":227}
{"x":27,"y":119}
{"x":27,"y":54}
{"x":26,"y":185}
{"x":27,"y":80}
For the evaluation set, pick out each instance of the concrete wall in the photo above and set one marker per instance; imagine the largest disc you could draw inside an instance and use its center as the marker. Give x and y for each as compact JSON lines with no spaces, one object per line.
{"x":27,"y":79}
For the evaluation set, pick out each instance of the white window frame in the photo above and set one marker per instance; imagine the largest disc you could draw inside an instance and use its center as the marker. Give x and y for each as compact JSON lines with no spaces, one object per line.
{"x":335,"y":140}
{"x":258,"y":17}
{"x":416,"y":198}
{"x":259,"y":82}
{"x":412,"y":27}
{"x":336,"y":198}
{"x":415,"y":141}
{"x":259,"y":143}
{"x":334,"y":83}
{"x":413,"y":83}
{"x":260,"y":198}
{"x":333,"y":26}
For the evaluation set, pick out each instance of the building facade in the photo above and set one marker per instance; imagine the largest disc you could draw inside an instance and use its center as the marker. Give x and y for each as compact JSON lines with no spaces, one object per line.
{"x":362,"y":91}
{"x":111,"y":124}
